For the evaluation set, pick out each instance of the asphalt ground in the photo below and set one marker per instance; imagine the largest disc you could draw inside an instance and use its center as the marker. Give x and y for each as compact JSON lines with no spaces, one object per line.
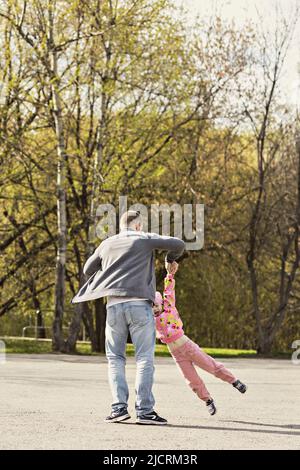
{"x":60,"y":401}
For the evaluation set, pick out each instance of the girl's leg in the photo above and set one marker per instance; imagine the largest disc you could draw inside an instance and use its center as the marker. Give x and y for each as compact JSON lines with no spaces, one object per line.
{"x":207,"y":363}
{"x":192,"y":378}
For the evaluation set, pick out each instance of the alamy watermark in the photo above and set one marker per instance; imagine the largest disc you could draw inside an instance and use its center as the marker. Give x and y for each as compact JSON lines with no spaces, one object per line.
{"x":296,"y":354}
{"x":187,"y":220}
{"x":2,"y":352}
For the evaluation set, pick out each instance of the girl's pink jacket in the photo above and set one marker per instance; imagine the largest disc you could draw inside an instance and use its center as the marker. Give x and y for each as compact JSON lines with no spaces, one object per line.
{"x":169,"y":326}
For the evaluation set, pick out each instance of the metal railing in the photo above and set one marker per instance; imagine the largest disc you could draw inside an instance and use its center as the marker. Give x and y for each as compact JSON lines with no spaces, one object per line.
{"x":35,"y":328}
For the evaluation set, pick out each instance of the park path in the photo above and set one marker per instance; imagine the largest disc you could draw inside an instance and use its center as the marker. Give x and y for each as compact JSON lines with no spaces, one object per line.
{"x":58,"y":402}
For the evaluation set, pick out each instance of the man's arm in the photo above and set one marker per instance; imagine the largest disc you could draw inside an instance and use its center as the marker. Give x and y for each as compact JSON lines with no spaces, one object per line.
{"x":173,"y":245}
{"x":93,"y":263}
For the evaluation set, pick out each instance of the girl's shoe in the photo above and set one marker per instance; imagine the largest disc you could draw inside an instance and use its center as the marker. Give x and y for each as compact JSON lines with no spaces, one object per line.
{"x":242,"y":388}
{"x":211,"y":407}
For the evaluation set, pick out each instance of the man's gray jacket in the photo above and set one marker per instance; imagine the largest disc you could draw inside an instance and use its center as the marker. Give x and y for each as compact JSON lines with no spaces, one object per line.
{"x":123,"y":265}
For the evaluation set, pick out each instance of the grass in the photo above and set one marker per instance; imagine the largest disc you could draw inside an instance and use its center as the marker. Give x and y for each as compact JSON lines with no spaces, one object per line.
{"x":15,"y":345}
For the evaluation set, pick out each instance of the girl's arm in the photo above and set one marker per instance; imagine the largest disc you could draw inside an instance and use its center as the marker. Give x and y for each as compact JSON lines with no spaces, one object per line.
{"x":169,"y":300}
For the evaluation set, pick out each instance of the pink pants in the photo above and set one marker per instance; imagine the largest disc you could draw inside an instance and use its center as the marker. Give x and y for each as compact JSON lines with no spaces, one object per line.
{"x":187,"y":356}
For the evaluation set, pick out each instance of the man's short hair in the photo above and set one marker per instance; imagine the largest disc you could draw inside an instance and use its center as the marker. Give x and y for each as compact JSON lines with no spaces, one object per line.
{"x":130,"y":218}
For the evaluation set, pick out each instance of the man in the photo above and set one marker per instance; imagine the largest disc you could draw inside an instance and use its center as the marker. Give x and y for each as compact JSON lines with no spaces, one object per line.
{"x":122,"y":268}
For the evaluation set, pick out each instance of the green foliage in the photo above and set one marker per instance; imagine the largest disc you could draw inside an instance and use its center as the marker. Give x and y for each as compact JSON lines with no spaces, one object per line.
{"x":160,"y":109}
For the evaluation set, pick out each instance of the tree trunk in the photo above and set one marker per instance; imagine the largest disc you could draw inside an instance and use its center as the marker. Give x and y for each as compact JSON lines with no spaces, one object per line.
{"x":88,"y":321}
{"x":70,"y":344}
{"x":100,"y":308}
{"x":100,"y":315}
{"x":265,"y":344}
{"x":40,"y":331}
{"x":57,"y":340}
{"x":61,"y":192}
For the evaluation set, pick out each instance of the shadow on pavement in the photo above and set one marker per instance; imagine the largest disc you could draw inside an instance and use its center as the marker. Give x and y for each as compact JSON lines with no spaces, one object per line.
{"x":284,"y":426}
{"x":223,"y":428}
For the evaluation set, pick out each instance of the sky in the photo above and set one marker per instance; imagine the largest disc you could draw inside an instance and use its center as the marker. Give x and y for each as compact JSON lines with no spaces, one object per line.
{"x":241,"y":11}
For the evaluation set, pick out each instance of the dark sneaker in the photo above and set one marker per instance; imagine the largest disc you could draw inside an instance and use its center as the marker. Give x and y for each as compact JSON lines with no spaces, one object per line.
{"x":211,"y":407}
{"x":117,"y":416}
{"x":151,"y":418}
{"x":240,"y":386}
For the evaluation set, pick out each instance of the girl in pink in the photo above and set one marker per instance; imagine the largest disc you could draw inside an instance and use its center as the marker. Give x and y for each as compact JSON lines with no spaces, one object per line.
{"x":185,"y":352}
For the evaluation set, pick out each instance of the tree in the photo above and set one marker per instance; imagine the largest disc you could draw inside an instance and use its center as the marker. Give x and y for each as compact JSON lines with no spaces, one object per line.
{"x":101,"y":99}
{"x":272,"y":139}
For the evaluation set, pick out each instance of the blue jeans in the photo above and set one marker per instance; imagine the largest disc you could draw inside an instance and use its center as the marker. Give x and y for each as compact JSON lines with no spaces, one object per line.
{"x":137,"y":318}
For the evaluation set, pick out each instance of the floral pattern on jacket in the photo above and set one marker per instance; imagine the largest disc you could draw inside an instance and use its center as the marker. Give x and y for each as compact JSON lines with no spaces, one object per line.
{"x":169,"y":326}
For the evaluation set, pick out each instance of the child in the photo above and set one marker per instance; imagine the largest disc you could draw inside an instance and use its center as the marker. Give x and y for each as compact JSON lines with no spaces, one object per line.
{"x":185,"y":352}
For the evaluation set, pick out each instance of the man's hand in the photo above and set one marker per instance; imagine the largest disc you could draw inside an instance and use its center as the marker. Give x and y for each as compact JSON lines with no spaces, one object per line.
{"x":171,"y":267}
